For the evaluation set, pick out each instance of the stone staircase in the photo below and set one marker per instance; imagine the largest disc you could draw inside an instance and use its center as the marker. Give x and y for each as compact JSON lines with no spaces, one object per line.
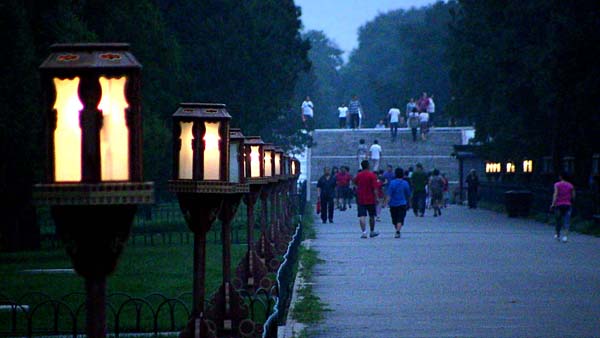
{"x":337,"y":147}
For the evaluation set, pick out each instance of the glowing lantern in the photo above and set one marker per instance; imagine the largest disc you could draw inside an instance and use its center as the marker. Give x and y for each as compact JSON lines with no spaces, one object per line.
{"x":93,"y":184}
{"x":278,"y":162}
{"x":295,"y":167}
{"x":236,"y":156}
{"x":527,"y":166}
{"x":510,"y":168}
{"x":92,"y":96}
{"x":254,"y":150}
{"x":269,"y":160}
{"x":493,"y":167}
{"x":201,"y":143}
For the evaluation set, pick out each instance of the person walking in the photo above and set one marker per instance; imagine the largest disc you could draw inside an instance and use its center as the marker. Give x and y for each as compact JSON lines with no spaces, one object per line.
{"x":361,"y":151}
{"x":564,"y":194}
{"x":307,"y":114}
{"x":431,"y":110}
{"x":342,"y":180}
{"x":423,"y":103}
{"x":418,"y":182}
{"x":343,"y":115}
{"x":375,"y":155}
{"x":380,"y":195}
{"x":354,"y":108}
{"x":446,"y":190}
{"x":436,"y":189}
{"x":472,"y":189}
{"x":394,"y":116}
{"x":410,"y":107}
{"x":366,"y":198}
{"x":388,"y":176}
{"x":413,"y":123}
{"x":424,"y":124}
{"x":397,"y":198}
{"x":326,"y":191}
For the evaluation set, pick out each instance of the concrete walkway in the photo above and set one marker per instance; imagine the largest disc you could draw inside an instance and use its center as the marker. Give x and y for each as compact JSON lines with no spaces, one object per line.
{"x":469,"y":273}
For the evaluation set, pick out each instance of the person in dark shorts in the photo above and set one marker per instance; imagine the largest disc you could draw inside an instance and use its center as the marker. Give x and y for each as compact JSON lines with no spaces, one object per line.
{"x":398,"y":197}
{"x":366,"y":199}
{"x":436,"y":189}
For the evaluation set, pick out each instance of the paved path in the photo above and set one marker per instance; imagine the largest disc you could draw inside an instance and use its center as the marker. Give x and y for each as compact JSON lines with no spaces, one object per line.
{"x":470,"y":273}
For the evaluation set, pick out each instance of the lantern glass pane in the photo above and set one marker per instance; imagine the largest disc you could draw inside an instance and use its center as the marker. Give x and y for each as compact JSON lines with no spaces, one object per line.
{"x":268,"y":166}
{"x":527,"y":166}
{"x":212,"y":154}
{"x":277,"y":164}
{"x":114,"y":135}
{"x":234,"y":164}
{"x":254,"y":161}
{"x":67,"y":135}
{"x":186,"y":153}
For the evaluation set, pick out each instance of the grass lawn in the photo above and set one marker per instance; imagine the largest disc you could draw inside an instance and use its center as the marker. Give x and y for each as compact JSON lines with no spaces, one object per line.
{"x":165,"y":269}
{"x":142,"y":271}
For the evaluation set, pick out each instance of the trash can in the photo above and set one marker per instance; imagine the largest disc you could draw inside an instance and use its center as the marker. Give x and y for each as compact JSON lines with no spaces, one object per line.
{"x":518,"y":202}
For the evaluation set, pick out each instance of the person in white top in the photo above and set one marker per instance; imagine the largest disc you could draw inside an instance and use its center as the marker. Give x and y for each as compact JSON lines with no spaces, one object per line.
{"x":375,"y":155}
{"x":343,"y":115}
{"x":307,"y":113}
{"x":394,"y":116}
{"x":424,"y":124}
{"x":431,"y":109}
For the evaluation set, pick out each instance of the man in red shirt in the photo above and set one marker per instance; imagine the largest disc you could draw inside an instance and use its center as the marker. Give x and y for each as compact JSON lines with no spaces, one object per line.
{"x":343,"y":183}
{"x":366,"y":198}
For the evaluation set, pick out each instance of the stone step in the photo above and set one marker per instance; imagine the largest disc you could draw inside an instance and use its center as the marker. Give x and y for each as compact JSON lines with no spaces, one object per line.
{"x":338,"y":147}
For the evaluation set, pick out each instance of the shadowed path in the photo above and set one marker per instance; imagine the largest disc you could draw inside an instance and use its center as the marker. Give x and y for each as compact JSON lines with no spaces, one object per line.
{"x":470,"y":273}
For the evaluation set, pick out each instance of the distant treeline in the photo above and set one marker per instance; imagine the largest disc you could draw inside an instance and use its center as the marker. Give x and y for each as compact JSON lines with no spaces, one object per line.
{"x":525,"y":73}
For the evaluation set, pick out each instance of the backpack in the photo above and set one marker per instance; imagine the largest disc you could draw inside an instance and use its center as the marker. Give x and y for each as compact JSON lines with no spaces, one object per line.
{"x":413,"y":122}
{"x":437,"y":184}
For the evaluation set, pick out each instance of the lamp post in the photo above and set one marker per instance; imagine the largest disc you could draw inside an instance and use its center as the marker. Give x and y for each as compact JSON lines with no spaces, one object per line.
{"x":265,"y":246}
{"x":203,"y":183}
{"x":93,"y":181}
{"x":276,"y":210}
{"x":251,"y":271}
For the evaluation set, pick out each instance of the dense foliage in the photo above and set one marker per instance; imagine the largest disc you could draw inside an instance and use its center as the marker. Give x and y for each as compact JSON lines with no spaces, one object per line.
{"x":401,"y":54}
{"x":322,"y":82}
{"x":247,"y":54}
{"x":525,"y":73}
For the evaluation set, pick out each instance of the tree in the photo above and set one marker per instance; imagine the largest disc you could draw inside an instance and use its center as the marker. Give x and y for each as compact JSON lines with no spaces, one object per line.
{"x":322,"y":82}
{"x":522,"y":71}
{"x":400,"y":55}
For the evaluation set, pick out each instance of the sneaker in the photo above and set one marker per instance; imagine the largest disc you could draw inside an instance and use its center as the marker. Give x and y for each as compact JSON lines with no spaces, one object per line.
{"x":378,"y":219}
{"x":364,"y":235}
{"x":557,"y":237}
{"x":564,"y":239}
{"x":373,"y":234}
{"x":330,"y":221}
{"x":422,"y":215}
{"x":397,"y":235}
{"x":324,"y":221}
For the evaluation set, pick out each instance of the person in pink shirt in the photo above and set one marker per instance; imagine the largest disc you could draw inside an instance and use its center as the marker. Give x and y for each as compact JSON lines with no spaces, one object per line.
{"x":563,"y":196}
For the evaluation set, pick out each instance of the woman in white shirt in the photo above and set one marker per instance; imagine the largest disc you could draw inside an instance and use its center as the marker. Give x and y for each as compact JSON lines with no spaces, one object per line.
{"x":424,"y":124}
{"x":343,"y":115}
{"x":431,"y":109}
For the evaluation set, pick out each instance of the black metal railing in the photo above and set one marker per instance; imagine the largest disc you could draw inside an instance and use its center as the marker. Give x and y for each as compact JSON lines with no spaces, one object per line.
{"x":284,"y":285}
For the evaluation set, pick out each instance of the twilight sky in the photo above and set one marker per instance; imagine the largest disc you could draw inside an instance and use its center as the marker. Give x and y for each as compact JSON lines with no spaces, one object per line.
{"x":340,"y":19}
